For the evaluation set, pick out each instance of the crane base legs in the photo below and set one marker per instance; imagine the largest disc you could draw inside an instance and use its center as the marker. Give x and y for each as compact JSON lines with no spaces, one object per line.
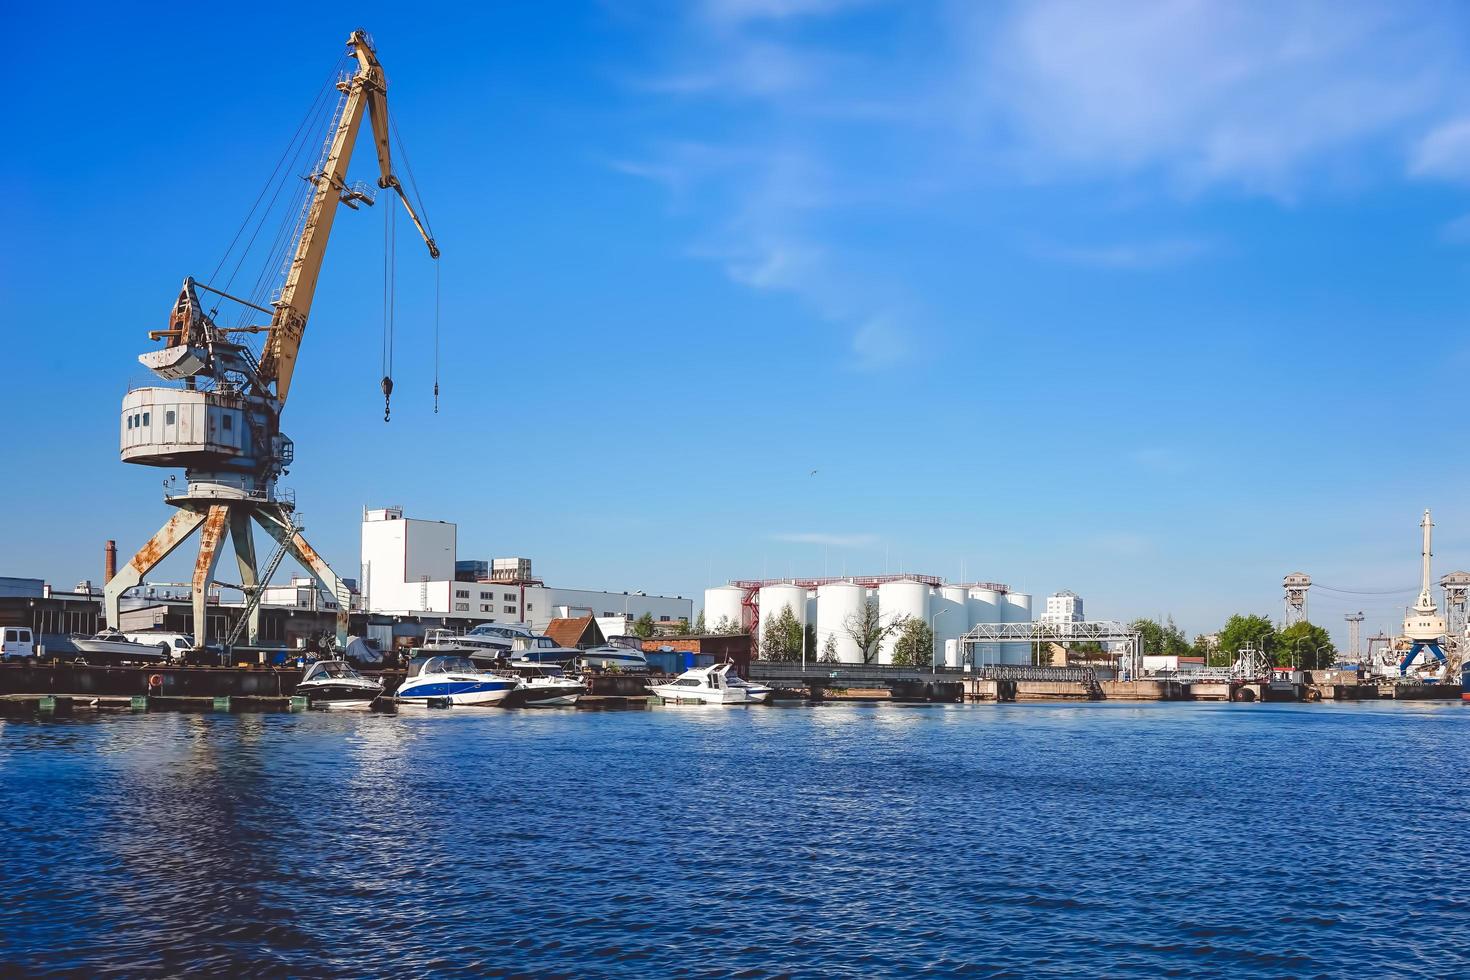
{"x":214,"y":518}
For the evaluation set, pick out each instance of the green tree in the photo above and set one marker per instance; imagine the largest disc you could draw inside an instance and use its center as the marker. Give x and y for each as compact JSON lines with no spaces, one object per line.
{"x":809,"y":641}
{"x":867,"y":629}
{"x":781,"y":637}
{"x":1240,"y":629}
{"x":643,"y":626}
{"x":914,"y":646}
{"x":725,"y":626}
{"x":1164,"y":638}
{"x":829,"y":651}
{"x":699,"y":627}
{"x":1305,"y":644}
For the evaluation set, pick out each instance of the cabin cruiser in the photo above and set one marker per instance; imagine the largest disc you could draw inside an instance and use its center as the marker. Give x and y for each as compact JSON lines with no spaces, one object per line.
{"x":335,"y":684}
{"x":111,"y":644}
{"x":544,"y":686}
{"x":621,"y":652}
{"x":455,"y":679}
{"x":537,"y":649}
{"x":712,"y":685}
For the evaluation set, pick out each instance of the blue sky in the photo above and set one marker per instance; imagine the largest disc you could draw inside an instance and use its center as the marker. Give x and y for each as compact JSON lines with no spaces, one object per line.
{"x":1156,"y":302}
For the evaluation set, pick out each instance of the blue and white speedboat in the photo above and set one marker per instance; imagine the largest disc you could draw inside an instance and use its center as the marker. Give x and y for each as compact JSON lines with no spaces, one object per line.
{"x":455,"y":679}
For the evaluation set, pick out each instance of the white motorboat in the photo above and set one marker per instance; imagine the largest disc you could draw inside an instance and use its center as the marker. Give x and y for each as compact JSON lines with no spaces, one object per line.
{"x":620,"y":652}
{"x":111,"y":645}
{"x":454,"y":679}
{"x":335,"y":684}
{"x":544,"y":686}
{"x":712,"y":685}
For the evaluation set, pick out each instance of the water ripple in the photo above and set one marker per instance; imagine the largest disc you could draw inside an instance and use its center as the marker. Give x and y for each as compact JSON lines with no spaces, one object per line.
{"x":988,"y":841}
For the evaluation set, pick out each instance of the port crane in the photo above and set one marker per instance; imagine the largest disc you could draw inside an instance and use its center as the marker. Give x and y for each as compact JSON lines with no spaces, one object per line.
{"x":223,"y":425}
{"x":1424,"y":627}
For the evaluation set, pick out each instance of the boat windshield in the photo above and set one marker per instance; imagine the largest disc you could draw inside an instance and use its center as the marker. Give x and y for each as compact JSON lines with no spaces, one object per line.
{"x":450,"y":665}
{"x":333,"y":669}
{"x":545,"y":643}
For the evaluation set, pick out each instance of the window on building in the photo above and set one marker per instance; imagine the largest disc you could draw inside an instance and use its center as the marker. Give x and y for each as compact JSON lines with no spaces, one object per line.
{"x":508,"y":596}
{"x":145,"y":418}
{"x":169,"y":417}
{"x":510,"y":609}
{"x":130,"y":421}
{"x":528,"y":607}
{"x":609,"y":614}
{"x":461,"y":593}
{"x":663,"y":619}
{"x":229,"y":423}
{"x":486,"y":595}
{"x":485,"y":607}
{"x":462,"y":607}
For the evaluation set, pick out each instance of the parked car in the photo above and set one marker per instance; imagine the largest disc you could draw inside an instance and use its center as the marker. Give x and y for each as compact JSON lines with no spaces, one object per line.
{"x":17,"y":643}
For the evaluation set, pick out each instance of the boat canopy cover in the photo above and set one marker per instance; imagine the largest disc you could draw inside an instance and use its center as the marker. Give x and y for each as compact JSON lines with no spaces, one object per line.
{"x":360,"y":651}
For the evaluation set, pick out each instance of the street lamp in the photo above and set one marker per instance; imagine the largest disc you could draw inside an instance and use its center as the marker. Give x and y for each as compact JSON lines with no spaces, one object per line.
{"x":934,"y":642}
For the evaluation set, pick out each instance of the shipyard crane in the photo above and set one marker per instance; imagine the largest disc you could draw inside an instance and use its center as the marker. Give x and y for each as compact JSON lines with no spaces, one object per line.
{"x":1424,"y":627}
{"x":222,"y":426}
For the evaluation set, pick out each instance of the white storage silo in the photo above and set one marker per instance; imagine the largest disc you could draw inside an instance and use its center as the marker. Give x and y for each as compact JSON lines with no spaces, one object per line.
{"x":774,"y":597}
{"x":985,"y":607}
{"x":897,"y":600}
{"x":723,"y":603}
{"x":950,"y":611}
{"x":1017,"y":609}
{"x":838,"y":604}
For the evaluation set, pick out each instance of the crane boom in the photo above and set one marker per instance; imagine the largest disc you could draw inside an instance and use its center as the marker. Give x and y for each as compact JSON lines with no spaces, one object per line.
{"x":366,"y":89}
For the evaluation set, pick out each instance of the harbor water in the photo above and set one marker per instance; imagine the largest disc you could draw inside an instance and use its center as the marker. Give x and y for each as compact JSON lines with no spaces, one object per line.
{"x":840,"y":840}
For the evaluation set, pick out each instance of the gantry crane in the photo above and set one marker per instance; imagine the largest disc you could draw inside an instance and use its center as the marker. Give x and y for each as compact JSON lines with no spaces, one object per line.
{"x":223,"y":425}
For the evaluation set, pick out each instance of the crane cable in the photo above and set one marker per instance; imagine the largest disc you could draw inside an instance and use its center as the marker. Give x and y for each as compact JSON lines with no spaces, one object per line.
{"x":436,"y":336}
{"x":390,"y":298}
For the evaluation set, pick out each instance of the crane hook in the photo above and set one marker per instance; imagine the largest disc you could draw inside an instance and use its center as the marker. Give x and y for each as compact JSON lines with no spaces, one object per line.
{"x":387,"y":395}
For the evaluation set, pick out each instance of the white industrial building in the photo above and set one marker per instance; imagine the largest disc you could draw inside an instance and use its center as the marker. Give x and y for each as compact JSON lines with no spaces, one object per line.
{"x":1062,"y":609}
{"x":410,"y":568}
{"x":830,"y":605}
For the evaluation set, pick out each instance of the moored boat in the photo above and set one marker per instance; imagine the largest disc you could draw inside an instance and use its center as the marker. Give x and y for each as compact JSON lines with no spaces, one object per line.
{"x":453,"y":679}
{"x":335,"y":684}
{"x":544,"y":686}
{"x":712,"y":685}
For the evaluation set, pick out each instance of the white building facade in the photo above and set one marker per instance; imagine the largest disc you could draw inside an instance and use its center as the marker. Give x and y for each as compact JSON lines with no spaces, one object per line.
{"x":408,"y":568}
{"x":1062,"y":609}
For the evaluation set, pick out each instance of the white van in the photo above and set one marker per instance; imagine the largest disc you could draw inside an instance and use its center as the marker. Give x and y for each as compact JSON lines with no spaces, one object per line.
{"x":174,"y":645}
{"x":17,"y":643}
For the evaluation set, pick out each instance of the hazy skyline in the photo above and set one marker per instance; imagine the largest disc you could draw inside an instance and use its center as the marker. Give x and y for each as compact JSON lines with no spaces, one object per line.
{"x":1155,"y":302}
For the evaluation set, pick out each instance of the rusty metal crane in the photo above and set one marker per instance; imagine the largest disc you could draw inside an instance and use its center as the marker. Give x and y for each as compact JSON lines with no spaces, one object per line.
{"x":222,"y":426}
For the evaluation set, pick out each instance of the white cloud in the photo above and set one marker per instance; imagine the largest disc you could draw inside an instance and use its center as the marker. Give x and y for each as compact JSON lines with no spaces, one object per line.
{"x":832,"y":540}
{"x":1444,"y":152}
{"x":1242,"y":93}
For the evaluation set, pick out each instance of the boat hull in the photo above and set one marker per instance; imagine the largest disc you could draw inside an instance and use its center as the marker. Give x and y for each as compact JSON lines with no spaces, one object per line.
{"x":120,"y":650}
{"x":670,"y":692}
{"x":339,"y":696}
{"x":457,"y":692}
{"x":547,"y":696}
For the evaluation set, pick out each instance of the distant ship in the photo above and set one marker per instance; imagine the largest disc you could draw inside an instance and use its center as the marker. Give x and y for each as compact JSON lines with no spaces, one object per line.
{"x":1465,"y":682}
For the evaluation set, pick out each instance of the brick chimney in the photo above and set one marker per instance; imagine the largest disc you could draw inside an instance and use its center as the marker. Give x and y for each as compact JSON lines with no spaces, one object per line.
{"x":111,"y":566}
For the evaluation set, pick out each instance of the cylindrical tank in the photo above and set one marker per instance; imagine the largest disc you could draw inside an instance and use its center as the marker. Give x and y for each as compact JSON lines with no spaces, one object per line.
{"x":839,"y":603}
{"x":774,"y":597}
{"x":722,"y":604}
{"x":984,"y":606}
{"x":951,"y":614}
{"x":896,"y":601}
{"x":1017,"y":609}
